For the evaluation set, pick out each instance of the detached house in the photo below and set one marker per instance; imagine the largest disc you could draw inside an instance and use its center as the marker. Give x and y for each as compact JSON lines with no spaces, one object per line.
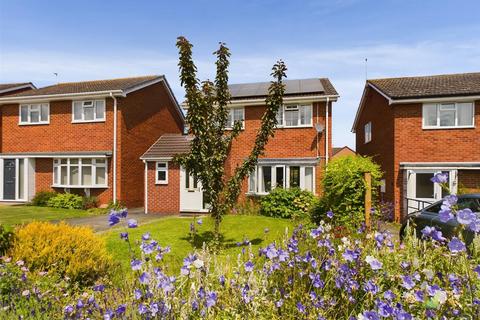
{"x":83,"y":137}
{"x":415,"y":127}
{"x":293,"y":158}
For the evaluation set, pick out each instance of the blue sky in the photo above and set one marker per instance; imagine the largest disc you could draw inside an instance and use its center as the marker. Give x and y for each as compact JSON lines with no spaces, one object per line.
{"x":86,"y":40}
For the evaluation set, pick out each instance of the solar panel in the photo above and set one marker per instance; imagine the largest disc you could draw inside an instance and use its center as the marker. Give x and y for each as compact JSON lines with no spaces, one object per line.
{"x":261,"y":88}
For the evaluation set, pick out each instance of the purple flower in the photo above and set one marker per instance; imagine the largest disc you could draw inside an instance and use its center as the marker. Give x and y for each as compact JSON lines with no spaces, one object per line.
{"x":477,"y":270}
{"x":99,"y":288}
{"x":351,"y":255}
{"x":369,"y":315}
{"x":445,"y":214}
{"x":370,"y":286}
{"x":137,"y":294}
{"x":271,"y":252}
{"x":68,"y":309}
{"x":316,"y":232}
{"x":211,"y":299}
{"x":221,"y":279}
{"x":474,"y":226}
{"x":330,"y":214}
{"x":142,"y":309}
{"x":199,"y":222}
{"x":121,"y":309}
{"x":123,"y":213}
{"x":132,"y":223}
{"x":407,"y":282}
{"x":450,"y":200}
{"x":389,"y":295}
{"x":384,"y":309}
{"x":465,"y":216}
{"x":419,"y":296}
{"x":279,"y":303}
{"x":301,"y":307}
{"x":144,"y":278}
{"x":248,"y":266}
{"x":124,"y":236}
{"x":374,"y":263}
{"x":146,"y":236}
{"x":456,"y":245}
{"x":440,"y":178}
{"x":136,"y":264}
{"x":113,"y":219}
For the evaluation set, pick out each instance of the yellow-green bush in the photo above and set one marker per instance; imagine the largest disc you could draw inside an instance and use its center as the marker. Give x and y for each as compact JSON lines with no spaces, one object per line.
{"x":74,"y":252}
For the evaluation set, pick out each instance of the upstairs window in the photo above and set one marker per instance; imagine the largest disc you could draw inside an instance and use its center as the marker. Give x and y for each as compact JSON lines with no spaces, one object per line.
{"x":448,"y":115}
{"x":89,"y":111}
{"x":368,"y":132}
{"x":34,"y":113}
{"x":161,"y":176}
{"x":295,"y":116}
{"x":234,"y":115}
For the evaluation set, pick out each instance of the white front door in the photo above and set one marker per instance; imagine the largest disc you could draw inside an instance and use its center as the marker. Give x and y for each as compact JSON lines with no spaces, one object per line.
{"x":191,"y":195}
{"x":421,"y":190}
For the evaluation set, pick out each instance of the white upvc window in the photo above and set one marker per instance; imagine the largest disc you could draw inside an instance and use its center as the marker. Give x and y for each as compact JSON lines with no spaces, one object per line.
{"x":291,"y":116}
{"x":368,"y":132}
{"x":234,"y":115}
{"x":161,"y":173}
{"x":265,"y":178}
{"x":448,"y":115}
{"x":88,"y":111}
{"x":80,"y":173}
{"x":38,"y":113}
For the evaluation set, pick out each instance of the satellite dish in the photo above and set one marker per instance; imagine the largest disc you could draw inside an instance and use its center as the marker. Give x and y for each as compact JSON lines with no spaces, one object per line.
{"x":319,"y":127}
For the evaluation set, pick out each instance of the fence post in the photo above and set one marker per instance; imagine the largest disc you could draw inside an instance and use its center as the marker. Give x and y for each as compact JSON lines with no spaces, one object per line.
{"x":368,"y":199}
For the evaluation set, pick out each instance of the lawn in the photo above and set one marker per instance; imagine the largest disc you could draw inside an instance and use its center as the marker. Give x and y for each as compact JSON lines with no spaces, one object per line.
{"x":18,"y":214}
{"x":174,"y":232}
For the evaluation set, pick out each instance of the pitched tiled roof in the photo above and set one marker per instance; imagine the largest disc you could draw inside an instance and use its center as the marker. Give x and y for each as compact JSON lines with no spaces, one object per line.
{"x":298,"y":87}
{"x":168,"y":145}
{"x":8,"y":87}
{"x":462,"y":84}
{"x":88,"y":86}
{"x":336,"y":150}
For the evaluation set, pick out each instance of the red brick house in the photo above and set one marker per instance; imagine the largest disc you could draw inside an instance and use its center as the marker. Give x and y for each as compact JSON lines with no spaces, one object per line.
{"x":12,"y":88}
{"x":415,"y":127}
{"x":293,"y":158}
{"x":342,"y":151}
{"x":83,"y":137}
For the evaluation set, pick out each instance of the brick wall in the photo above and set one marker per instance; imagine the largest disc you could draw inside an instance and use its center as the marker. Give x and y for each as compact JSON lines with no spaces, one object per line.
{"x":44,"y":181}
{"x":287,"y":142}
{"x":146,"y":114}
{"x":377,"y":111}
{"x":397,"y":136}
{"x":164,"y":198}
{"x":469,"y":180}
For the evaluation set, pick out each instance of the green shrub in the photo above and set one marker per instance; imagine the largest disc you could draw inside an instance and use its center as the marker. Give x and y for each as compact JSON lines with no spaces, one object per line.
{"x":344,"y":190}
{"x":249,"y":207}
{"x":6,"y":239}
{"x":66,"y":201}
{"x":287,"y":203}
{"x":41,"y":198}
{"x":89,"y":202}
{"x":68,"y":251}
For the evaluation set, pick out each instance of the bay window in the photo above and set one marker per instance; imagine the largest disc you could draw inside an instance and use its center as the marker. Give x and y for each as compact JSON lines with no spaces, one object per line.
{"x":80,"y":172}
{"x":88,"y":111}
{"x":448,"y":115}
{"x":265,"y":178}
{"x":34,"y":113}
{"x":291,"y":116}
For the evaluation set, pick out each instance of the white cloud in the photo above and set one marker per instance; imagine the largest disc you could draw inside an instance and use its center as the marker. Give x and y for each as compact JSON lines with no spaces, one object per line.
{"x":344,"y":66}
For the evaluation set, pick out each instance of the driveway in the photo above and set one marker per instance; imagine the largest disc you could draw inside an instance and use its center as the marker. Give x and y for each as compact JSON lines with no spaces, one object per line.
{"x":100,"y":223}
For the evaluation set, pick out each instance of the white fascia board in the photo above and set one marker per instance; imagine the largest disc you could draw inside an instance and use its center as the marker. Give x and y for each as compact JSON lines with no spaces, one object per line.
{"x":156,"y":159}
{"x":29,"y":85}
{"x":359,"y":109}
{"x":63,"y":96}
{"x":261,"y":102}
{"x":444,"y":99}
{"x":440,"y":165}
{"x":143,"y":85}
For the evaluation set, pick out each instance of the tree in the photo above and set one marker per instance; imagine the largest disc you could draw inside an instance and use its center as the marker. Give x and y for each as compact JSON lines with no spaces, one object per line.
{"x":207,"y":119}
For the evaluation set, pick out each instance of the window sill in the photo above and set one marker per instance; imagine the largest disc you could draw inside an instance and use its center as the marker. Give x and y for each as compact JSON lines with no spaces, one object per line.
{"x":448,"y":128}
{"x":80,"y":187}
{"x":295,"y":127}
{"x":164,"y":183}
{"x":88,"y":121}
{"x":33,"y":124}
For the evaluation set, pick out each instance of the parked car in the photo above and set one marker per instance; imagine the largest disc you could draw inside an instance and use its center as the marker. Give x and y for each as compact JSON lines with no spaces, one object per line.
{"x":429,"y":217}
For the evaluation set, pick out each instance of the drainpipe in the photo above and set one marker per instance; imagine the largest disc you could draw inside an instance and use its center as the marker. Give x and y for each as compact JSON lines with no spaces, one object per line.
{"x":114,"y":160}
{"x":146,"y":188}
{"x":326,"y":132}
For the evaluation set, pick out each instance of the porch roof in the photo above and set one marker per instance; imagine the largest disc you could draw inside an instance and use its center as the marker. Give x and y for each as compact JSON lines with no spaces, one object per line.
{"x":167,"y":146}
